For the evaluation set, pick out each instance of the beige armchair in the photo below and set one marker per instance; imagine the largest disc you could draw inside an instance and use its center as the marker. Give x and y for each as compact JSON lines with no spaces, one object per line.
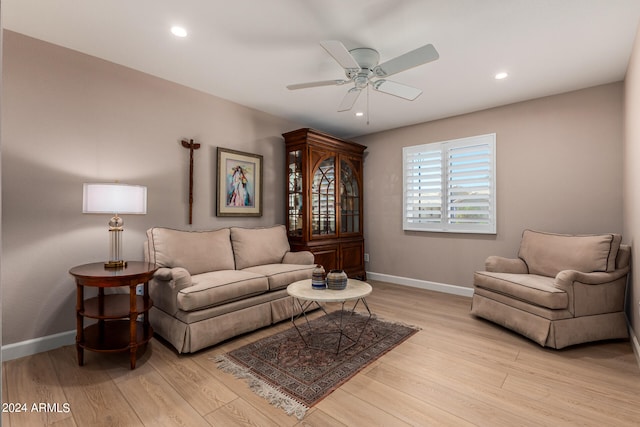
{"x":561,"y":290}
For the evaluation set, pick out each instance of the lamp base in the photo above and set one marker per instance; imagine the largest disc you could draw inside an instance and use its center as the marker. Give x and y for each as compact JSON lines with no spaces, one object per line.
{"x":115,"y":264}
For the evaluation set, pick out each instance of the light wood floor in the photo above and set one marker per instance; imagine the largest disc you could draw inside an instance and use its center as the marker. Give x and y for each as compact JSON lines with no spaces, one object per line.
{"x":457,"y":371}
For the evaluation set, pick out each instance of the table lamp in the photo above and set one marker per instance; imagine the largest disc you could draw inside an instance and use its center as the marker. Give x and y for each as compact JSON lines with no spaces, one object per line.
{"x":114,"y":199}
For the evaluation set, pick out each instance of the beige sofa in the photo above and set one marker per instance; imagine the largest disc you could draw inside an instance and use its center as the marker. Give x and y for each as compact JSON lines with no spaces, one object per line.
{"x":561,"y":290}
{"x":214,"y":285}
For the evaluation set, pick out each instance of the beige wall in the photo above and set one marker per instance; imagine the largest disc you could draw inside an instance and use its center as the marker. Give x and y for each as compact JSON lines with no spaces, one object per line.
{"x":631,"y":155}
{"x":559,"y":169}
{"x":69,"y":118}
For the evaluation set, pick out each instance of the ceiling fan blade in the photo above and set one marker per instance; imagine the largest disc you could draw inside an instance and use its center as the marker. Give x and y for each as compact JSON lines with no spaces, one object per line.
{"x":397,"y":89}
{"x":340,"y":54}
{"x":349,"y":99}
{"x":416,"y":57}
{"x":316,"y":84}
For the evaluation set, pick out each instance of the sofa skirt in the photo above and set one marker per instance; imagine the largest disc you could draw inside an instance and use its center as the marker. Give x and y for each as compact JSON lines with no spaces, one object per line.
{"x":197,"y":335}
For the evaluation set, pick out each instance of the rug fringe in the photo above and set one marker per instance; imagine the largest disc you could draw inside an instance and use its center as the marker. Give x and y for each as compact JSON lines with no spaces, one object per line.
{"x":263,"y":389}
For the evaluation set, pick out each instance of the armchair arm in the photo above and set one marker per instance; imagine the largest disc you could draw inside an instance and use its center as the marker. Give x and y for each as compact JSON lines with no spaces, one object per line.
{"x":498,"y":264}
{"x":593,"y":293}
{"x":567,"y":277}
{"x":301,"y":257}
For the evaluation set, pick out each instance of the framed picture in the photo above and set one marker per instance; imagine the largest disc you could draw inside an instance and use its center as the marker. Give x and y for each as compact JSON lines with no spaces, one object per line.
{"x":239,"y":189}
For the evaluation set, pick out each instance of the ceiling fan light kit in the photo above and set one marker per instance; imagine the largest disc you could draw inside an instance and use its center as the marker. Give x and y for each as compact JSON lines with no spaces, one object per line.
{"x":362,"y":69}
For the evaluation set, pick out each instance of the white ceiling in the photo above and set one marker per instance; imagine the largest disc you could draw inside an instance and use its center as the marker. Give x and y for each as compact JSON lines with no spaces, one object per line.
{"x":247,"y":51}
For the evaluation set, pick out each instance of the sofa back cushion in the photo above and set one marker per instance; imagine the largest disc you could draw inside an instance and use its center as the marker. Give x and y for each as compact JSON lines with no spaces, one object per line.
{"x":196,"y":251}
{"x":547,"y":254}
{"x":259,"y":246}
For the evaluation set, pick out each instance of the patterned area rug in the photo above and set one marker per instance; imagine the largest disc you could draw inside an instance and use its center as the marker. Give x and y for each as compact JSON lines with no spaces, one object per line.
{"x":291,"y":375}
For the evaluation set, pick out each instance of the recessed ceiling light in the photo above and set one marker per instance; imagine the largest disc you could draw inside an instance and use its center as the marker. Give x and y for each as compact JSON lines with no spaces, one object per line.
{"x":179,"y":31}
{"x":501,"y":76}
{"x":359,"y":114}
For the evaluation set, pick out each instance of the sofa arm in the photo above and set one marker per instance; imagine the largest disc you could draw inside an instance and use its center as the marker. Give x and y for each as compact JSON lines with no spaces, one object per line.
{"x":301,"y":257}
{"x":165,"y":285}
{"x":179,"y":276}
{"x":163,"y":273}
{"x":498,"y":264}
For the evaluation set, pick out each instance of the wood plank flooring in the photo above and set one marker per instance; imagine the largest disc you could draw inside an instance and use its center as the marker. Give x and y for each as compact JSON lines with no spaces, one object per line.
{"x":457,"y":371}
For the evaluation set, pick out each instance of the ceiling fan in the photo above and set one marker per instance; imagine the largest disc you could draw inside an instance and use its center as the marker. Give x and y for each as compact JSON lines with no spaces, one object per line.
{"x":362,"y":69}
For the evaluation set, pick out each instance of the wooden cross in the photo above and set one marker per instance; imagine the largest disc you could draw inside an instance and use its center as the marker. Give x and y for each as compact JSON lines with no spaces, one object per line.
{"x":191,"y":146}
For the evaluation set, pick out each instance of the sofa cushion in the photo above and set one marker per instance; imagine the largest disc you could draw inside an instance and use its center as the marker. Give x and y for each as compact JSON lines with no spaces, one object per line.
{"x":220,"y":287}
{"x":196,"y":251}
{"x":258,"y":246}
{"x":547,"y":254}
{"x":532,"y":288}
{"x":282,"y":275}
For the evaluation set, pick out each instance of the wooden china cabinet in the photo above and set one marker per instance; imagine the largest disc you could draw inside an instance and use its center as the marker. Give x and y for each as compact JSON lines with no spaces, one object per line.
{"x":324,"y":199}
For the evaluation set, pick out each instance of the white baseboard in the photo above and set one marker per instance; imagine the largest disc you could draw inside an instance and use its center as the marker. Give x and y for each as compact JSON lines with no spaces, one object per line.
{"x":50,"y":342}
{"x":422,"y":284}
{"x":37,"y":345}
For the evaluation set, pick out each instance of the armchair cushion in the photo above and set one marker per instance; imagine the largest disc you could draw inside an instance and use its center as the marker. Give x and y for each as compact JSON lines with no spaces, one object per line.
{"x":505,"y":265}
{"x":539,"y":290}
{"x":547,"y":254}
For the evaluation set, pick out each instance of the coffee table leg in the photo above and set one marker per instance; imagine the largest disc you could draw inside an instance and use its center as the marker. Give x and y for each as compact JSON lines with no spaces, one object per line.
{"x":303,"y":312}
{"x":339,"y":324}
{"x":341,"y":328}
{"x":364,"y":302}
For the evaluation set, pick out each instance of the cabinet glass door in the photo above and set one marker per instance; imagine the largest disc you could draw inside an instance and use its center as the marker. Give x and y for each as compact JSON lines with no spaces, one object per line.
{"x":323,"y":195}
{"x":349,"y":199}
{"x":294,"y":204}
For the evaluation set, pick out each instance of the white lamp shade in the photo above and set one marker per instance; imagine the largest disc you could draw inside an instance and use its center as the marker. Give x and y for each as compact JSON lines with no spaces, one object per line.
{"x":114,"y":199}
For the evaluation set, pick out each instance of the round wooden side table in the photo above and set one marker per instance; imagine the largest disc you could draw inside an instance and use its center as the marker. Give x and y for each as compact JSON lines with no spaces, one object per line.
{"x":117,"y":327}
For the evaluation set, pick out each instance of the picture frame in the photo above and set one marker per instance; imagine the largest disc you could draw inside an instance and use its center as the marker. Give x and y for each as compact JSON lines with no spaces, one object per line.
{"x":239,"y":187}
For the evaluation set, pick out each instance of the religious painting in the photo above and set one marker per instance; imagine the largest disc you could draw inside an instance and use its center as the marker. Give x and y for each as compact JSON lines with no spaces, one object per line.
{"x":239,"y":189}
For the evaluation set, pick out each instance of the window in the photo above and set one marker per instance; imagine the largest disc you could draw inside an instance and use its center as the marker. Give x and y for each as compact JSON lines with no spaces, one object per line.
{"x":450,"y":186}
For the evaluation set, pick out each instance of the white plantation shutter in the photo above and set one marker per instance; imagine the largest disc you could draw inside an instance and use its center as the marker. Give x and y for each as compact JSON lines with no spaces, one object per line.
{"x":423,"y":185}
{"x":450,"y":186}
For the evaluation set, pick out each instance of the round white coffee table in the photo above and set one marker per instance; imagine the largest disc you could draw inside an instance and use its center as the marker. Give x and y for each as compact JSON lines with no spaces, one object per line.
{"x":305,"y":297}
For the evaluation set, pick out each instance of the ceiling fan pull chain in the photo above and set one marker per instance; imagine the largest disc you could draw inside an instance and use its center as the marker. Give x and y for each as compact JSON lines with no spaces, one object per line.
{"x":368,"y":90}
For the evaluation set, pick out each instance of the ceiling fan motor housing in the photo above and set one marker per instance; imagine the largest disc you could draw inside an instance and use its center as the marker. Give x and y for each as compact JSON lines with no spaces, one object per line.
{"x":367,"y":59}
